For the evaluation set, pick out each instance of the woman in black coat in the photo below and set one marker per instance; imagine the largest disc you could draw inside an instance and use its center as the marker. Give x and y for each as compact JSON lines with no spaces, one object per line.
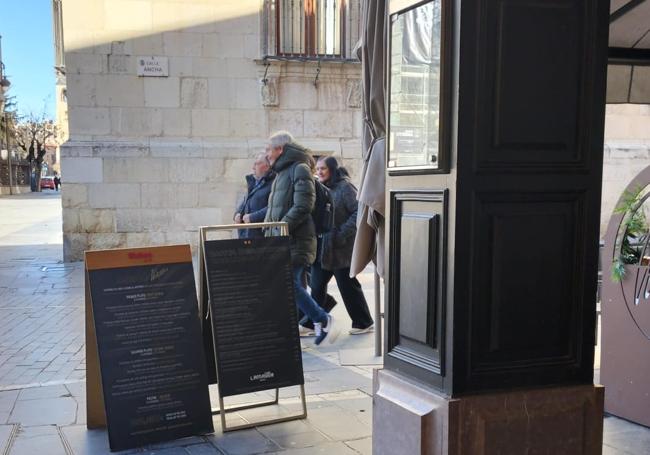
{"x":335,"y":247}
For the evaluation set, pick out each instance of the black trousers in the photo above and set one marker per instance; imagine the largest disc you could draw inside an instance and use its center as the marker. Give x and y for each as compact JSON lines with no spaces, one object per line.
{"x":351,"y":291}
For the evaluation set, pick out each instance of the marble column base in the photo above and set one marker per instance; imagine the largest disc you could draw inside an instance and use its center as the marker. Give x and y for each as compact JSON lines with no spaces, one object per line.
{"x":412,"y":419}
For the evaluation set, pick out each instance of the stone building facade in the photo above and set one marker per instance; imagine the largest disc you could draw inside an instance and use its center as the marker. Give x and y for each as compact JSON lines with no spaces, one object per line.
{"x":149,"y":159}
{"x":627,"y":152}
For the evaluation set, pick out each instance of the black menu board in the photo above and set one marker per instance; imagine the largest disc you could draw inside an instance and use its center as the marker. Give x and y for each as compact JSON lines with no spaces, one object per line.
{"x":148,"y":334}
{"x":253,"y":312}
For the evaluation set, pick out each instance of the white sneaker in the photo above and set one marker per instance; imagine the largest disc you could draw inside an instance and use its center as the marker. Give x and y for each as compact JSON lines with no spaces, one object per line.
{"x":325,"y":332}
{"x":306,"y":331}
{"x":355,"y":331}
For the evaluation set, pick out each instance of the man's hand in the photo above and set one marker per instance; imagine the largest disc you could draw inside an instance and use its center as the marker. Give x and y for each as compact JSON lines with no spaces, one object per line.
{"x":237,"y":218}
{"x":247,"y":218}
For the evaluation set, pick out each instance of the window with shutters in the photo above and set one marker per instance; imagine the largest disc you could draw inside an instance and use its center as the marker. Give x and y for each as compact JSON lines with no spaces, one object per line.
{"x":311,"y":29}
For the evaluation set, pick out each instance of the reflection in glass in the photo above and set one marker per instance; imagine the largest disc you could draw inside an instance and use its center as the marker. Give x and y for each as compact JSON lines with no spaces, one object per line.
{"x":415,"y":87}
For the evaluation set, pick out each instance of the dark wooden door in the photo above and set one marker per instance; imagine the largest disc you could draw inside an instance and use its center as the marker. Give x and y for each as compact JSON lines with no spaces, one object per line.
{"x":512,"y":248}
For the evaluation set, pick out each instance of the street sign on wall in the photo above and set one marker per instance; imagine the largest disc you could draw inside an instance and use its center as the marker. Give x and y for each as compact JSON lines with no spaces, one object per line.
{"x":153,"y":66}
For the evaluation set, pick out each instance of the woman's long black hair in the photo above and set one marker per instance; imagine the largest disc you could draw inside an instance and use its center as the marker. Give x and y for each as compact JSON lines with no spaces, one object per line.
{"x":336,"y":172}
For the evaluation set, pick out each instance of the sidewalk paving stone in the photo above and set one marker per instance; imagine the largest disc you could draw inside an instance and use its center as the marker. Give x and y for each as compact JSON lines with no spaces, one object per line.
{"x":38,"y":440}
{"x":6,"y":433}
{"x":45,"y":411}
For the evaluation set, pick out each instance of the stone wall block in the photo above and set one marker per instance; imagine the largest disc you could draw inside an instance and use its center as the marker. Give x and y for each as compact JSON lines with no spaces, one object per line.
{"x":328,"y":124}
{"x":194,"y":92}
{"x":332,"y":96}
{"x":119,"y":90}
{"x":177,"y":149}
{"x":156,"y":220}
{"x":248,"y":94}
{"x":85,"y":63}
{"x":236,"y":169}
{"x":323,"y":146}
{"x":136,"y":121}
{"x":70,"y":219}
{"x":248,"y":123}
{"x":88,"y":121}
{"x":136,"y":170}
{"x":209,"y":67}
{"x":181,"y":66}
{"x":298,"y":95}
{"x":223,"y":45}
{"x":227,"y":148}
{"x":117,"y":150}
{"x":351,"y":150}
{"x":224,"y":195}
{"x":82,"y":170}
{"x":357,"y":123}
{"x":95,"y":221}
{"x":240,"y":67}
{"x":137,"y":239}
{"x":289,"y":120}
{"x":121,"y":64}
{"x":114,"y":195}
{"x":195,"y":170}
{"x":162,"y":92}
{"x":252,"y":48}
{"x":191,"y":219}
{"x":183,"y":44}
{"x":81,"y":90}
{"x":222,"y":93}
{"x":74,"y":246}
{"x":629,"y":152}
{"x":128,"y":220}
{"x":177,"y":122}
{"x":147,"y":45}
{"x":106,"y":241}
{"x":74,"y":195}
{"x":169,"y":195}
{"x":209,"y":122}
{"x":182,"y":238}
{"x":72,"y":150}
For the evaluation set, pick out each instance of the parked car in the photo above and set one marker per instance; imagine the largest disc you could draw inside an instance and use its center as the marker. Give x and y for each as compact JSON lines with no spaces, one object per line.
{"x":47,"y":183}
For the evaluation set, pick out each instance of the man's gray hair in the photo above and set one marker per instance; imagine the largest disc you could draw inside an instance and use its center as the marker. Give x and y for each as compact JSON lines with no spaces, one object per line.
{"x":280,"y":139}
{"x":261,"y":156}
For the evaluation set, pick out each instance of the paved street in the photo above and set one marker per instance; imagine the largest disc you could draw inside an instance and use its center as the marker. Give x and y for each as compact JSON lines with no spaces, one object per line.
{"x":42,"y":368}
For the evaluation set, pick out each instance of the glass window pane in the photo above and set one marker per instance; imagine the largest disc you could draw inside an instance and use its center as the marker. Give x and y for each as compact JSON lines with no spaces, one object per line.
{"x":415,"y":87}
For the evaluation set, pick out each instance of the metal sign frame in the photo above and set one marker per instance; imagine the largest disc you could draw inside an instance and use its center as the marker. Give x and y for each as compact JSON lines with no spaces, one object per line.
{"x":222,"y":410}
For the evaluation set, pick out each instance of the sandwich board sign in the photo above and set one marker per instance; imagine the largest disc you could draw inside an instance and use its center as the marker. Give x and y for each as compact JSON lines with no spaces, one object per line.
{"x":247,"y":289}
{"x":146,"y":374}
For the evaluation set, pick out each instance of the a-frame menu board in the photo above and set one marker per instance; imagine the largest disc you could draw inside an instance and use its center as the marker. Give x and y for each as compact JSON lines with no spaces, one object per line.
{"x":146,"y":374}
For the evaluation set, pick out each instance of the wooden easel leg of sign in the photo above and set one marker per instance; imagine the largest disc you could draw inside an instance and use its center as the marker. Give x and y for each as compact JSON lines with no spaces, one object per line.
{"x":204,"y":295}
{"x":222,"y":410}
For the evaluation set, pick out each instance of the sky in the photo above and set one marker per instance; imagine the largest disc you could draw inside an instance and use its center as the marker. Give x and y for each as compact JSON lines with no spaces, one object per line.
{"x":28,"y":53}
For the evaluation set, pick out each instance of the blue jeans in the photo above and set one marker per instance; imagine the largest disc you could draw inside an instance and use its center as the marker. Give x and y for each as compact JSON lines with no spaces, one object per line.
{"x":304,"y":301}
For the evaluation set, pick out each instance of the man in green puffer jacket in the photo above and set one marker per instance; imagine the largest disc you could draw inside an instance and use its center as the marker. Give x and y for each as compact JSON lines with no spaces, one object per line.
{"x":292,"y":200}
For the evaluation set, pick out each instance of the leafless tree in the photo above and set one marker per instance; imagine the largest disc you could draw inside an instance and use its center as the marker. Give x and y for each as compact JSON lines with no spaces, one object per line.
{"x":32,"y":134}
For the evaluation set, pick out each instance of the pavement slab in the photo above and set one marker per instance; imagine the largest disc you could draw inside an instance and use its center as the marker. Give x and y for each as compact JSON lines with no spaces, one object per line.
{"x":44,"y":411}
{"x":38,"y":440}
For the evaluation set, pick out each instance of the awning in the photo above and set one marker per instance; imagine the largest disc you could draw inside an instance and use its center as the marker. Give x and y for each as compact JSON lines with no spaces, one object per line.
{"x":628,"y":74}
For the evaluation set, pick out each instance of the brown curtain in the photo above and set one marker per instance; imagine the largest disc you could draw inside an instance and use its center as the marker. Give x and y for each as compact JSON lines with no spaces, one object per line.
{"x":369,"y":241}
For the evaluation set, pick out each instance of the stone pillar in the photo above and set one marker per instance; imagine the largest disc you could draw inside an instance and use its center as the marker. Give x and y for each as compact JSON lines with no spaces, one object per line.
{"x":492,"y":237}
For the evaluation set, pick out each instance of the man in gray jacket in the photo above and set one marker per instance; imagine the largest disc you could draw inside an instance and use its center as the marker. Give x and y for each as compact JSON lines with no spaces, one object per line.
{"x":292,"y":200}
